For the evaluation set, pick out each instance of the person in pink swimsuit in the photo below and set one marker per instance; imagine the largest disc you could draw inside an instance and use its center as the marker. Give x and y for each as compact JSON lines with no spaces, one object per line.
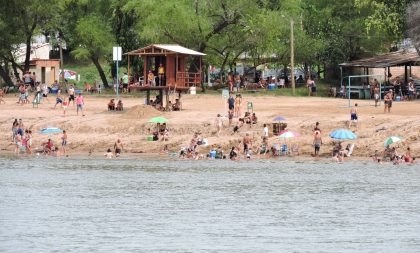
{"x":80,"y":103}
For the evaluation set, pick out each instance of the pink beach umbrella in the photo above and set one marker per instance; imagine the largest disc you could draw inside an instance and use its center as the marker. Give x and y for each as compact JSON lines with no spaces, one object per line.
{"x":288,"y":134}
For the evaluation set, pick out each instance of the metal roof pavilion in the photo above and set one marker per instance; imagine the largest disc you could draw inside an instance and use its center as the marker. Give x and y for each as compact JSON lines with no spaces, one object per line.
{"x":398,"y":58}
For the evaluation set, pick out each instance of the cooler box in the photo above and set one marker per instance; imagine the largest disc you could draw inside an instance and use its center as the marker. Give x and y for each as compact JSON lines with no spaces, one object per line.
{"x":150,"y":138}
{"x":213,"y":154}
{"x":398,"y":98}
{"x":193,"y":90}
{"x":271,"y":86}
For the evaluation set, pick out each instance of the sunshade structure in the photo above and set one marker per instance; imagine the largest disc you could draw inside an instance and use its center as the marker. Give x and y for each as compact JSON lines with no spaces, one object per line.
{"x":406,"y":58}
{"x":343,"y":134}
{"x":391,"y":140}
{"x":288,"y":134}
{"x":158,"y":120}
{"x":51,"y":130}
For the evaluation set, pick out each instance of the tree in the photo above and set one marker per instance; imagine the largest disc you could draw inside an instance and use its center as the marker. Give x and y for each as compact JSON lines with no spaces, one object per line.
{"x":95,"y":41}
{"x":413,"y":24}
{"x":86,"y":28}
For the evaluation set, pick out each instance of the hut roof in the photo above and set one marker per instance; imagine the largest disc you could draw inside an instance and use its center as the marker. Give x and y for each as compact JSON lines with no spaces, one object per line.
{"x":402,"y":57}
{"x":162,"y":49}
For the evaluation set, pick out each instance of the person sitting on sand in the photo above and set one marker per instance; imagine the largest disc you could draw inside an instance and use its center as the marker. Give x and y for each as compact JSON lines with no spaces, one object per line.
{"x":219,"y":153}
{"x":233,"y":155}
{"x":407,"y":156}
{"x":165,"y":135}
{"x":109,"y":154}
{"x":111,"y":105}
{"x":120,"y":106}
{"x":254,"y":118}
{"x":48,"y":146}
{"x":263,"y":149}
{"x":177,"y":106}
{"x":247,"y":118}
{"x":376,"y":158}
{"x":118,"y":147}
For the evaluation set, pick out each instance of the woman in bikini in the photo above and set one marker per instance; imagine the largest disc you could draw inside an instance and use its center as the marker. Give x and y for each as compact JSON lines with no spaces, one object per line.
{"x":238,"y":102}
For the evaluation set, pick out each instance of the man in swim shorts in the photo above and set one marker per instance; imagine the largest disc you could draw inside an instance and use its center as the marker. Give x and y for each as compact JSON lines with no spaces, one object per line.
{"x":71,"y":94}
{"x":118,"y":146}
{"x":353,"y":115}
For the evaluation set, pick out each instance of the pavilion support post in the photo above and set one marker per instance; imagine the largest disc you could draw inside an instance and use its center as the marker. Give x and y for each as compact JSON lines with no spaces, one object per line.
{"x":161,"y":97}
{"x":148,"y":97}
{"x":176,"y":70}
{"x":167,"y":99}
{"x":128,"y":68}
{"x":341,"y":76}
{"x":405,"y":74}
{"x":145,"y":71}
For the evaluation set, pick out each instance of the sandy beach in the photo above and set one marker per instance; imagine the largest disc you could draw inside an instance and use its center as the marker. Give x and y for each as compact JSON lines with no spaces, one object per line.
{"x":100,"y":128}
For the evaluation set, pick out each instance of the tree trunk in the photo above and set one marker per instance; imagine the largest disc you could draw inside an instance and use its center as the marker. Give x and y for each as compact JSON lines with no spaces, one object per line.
{"x":28,"y":53}
{"x":98,"y":66}
{"x":4,"y":73}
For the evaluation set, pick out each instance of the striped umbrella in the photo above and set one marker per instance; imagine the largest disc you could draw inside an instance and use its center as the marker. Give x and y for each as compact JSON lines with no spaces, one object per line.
{"x":288,"y":134}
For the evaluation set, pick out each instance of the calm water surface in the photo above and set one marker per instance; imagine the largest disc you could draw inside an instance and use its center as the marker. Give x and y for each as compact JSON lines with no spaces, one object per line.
{"x":82,"y":205}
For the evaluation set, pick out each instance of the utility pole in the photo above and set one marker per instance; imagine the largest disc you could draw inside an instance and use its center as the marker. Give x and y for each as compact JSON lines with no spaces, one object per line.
{"x":292,"y":58}
{"x":61,"y":77}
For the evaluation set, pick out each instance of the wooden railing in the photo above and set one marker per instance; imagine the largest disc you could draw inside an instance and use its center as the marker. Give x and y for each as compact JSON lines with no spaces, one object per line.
{"x":188,"y":79}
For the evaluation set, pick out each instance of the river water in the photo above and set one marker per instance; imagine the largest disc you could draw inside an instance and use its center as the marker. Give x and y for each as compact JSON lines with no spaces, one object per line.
{"x":87,"y":205}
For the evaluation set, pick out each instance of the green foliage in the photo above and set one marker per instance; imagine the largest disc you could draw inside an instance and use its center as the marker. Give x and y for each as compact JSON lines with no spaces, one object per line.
{"x":95,"y":39}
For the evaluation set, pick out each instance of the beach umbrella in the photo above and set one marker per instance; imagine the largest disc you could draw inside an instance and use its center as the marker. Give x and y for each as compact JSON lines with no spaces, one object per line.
{"x":343,"y":134}
{"x":279,"y":118}
{"x":51,"y":130}
{"x":391,"y":140}
{"x":288,"y":134}
{"x":158,"y":120}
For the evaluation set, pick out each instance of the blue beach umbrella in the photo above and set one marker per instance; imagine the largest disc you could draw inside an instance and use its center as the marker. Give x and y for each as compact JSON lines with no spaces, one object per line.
{"x":343,"y":134}
{"x":279,"y":118}
{"x":51,"y":130}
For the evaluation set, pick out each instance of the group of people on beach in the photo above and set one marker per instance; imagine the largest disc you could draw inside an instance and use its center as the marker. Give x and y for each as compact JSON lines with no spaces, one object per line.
{"x":22,"y":139}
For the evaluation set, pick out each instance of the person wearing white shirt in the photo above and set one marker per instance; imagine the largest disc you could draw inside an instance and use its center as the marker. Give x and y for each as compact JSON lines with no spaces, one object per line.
{"x":265,"y":131}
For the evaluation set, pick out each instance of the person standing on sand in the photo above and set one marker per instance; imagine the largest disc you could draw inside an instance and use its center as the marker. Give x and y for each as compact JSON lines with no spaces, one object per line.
{"x":71,"y":93}
{"x":388,"y":102}
{"x":80,"y":102}
{"x":353,"y":116}
{"x":64,"y":142}
{"x":219,"y":124}
{"x":247,"y":143}
{"x":376,"y":95}
{"x":118,"y":146}
{"x":265,"y":131}
{"x":317,"y":142}
{"x":231,"y":102}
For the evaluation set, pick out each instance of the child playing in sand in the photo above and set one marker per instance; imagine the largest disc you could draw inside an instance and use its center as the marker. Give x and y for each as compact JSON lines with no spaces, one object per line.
{"x":65,"y":105}
{"x":109,"y":154}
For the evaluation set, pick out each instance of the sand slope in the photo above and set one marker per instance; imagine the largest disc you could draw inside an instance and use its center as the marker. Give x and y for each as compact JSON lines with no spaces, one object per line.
{"x":99,"y":129}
